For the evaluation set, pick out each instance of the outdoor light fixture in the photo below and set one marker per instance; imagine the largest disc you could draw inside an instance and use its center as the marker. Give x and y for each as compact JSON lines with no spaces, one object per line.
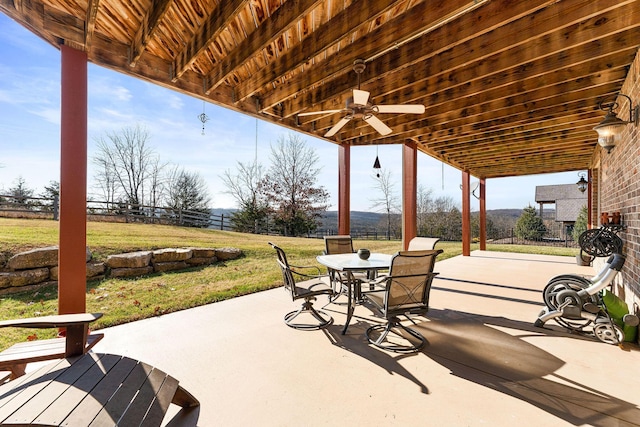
{"x":582,"y":183}
{"x":611,"y":127}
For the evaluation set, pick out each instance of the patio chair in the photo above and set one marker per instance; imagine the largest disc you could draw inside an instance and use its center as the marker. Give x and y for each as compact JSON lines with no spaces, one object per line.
{"x":423,"y":243}
{"x":308,"y":287}
{"x":86,"y":388}
{"x":342,"y":244}
{"x":406,"y":291}
{"x":78,"y":341}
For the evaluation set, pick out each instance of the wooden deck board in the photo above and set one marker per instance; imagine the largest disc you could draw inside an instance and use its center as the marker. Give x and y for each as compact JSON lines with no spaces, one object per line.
{"x":94,"y":390}
{"x":76,"y":393}
{"x":28,"y":386}
{"x":89,"y":408}
{"x":117,"y":405}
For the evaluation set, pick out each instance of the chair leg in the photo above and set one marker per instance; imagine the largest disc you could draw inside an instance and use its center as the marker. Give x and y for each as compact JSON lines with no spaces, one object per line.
{"x":383,"y":342}
{"x":307,"y":308}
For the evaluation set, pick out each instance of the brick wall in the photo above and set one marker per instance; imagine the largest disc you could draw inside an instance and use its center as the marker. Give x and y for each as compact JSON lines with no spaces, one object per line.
{"x":618,"y":189}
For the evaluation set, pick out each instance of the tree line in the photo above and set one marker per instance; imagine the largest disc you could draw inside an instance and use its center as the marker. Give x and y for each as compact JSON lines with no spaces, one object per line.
{"x":283,"y":198}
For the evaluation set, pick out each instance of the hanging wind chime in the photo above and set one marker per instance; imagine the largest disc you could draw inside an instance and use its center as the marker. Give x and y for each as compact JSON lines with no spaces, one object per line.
{"x":203,"y":117}
{"x":376,"y":164}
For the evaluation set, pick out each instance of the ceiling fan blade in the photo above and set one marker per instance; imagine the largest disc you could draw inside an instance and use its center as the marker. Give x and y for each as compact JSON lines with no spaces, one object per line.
{"x":360,"y":97}
{"x":399,"y":109}
{"x":377,"y":124}
{"x":337,"y":127}
{"x":312,"y":113}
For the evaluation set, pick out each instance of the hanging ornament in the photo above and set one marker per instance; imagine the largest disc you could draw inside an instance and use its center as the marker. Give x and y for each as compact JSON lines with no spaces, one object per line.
{"x":376,"y":164}
{"x":203,"y":117}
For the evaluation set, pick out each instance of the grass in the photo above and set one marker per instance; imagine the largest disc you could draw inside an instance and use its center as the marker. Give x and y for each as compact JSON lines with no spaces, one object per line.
{"x":125,"y":300}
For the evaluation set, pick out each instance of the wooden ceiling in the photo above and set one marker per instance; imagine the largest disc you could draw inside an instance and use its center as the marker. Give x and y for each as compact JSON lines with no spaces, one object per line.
{"x":510,"y":87}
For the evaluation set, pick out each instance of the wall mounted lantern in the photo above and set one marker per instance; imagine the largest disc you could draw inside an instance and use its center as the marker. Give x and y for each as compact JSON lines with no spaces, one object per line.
{"x":610,"y":128}
{"x":582,"y":183}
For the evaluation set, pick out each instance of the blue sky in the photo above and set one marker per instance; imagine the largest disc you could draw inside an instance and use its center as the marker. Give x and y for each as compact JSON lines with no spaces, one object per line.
{"x":30,"y":133}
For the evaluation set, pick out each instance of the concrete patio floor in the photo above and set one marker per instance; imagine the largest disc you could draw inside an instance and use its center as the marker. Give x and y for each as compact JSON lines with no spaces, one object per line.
{"x":484,"y":364}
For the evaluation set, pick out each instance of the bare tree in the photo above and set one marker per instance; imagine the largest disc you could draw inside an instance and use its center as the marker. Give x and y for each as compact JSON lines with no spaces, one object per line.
{"x":244,"y":186}
{"x":105,"y":180}
{"x":425,"y":203}
{"x":290,"y":186}
{"x":187,"y":191}
{"x":125,"y":160}
{"x":387,"y":202}
{"x":157,"y":182}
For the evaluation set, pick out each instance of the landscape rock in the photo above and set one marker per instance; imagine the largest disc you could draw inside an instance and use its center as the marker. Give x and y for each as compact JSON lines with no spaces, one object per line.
{"x":131,"y":272}
{"x":24,"y":277}
{"x":201,"y":260}
{"x":203,"y":252}
{"x":169,"y":266}
{"x":138,"y":259}
{"x":171,"y":255}
{"x":35,"y":258}
{"x":94,"y":269}
{"x":39,"y":267}
{"x":225,"y":254}
{"x":5,"y":280}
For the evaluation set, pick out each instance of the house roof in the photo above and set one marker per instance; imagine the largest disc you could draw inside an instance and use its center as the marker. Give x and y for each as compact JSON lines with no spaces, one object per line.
{"x":510,"y":87}
{"x":567,"y":210}
{"x":553,"y":193}
{"x":567,"y":198}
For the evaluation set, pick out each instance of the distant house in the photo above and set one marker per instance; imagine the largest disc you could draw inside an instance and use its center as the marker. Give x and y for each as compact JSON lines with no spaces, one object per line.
{"x":568,"y":201}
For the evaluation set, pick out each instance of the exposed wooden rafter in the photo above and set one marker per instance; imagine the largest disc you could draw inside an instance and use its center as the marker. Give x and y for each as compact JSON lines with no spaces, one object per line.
{"x":510,"y":87}
{"x":154,"y":15}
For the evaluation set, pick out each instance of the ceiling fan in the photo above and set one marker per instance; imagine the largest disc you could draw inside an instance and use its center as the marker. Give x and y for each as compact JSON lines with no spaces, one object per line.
{"x":359,"y":107}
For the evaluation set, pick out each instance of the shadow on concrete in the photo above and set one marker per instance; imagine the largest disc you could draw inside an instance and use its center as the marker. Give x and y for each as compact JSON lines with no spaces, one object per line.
{"x":472,"y":349}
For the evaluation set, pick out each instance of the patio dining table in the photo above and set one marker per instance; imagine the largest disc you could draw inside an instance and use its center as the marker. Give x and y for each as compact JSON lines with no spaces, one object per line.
{"x":350,"y":263}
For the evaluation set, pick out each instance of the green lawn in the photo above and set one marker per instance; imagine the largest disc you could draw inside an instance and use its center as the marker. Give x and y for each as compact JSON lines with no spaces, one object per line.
{"x":125,"y":300}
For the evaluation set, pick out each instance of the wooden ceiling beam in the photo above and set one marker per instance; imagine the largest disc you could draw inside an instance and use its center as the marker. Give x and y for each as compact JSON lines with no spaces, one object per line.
{"x":569,"y":122}
{"x":148,"y":26}
{"x":211,"y":29}
{"x":90,"y":25}
{"x":150,"y":68}
{"x":545,"y":35}
{"x":453,"y":124}
{"x":340,"y":27}
{"x":543,"y":163}
{"x":490,"y":95}
{"x":423,"y":15}
{"x":505,"y":83}
{"x":430,"y":130}
{"x":519,"y":147}
{"x":284,"y":18}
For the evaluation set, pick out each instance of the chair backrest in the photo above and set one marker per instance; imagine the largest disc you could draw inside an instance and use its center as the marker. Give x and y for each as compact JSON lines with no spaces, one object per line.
{"x":338,"y":245}
{"x":409,"y":282}
{"x":423,"y":243}
{"x":287,"y":276}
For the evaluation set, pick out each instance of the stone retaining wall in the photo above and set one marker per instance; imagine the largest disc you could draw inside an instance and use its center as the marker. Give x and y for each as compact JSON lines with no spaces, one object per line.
{"x":39,"y":267}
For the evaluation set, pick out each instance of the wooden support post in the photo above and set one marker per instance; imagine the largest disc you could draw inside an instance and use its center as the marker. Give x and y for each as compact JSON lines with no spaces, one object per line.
{"x":466,"y":214}
{"x":409,"y":193}
{"x":483,"y":215}
{"x":344,"y":189}
{"x":72,"y":256}
{"x":589,"y":197}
